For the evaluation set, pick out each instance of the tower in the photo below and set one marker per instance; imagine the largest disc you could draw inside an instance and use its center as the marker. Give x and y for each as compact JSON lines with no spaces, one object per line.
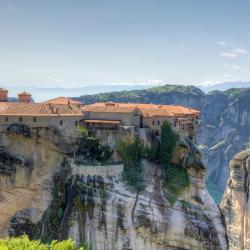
{"x":3,"y":95}
{"x":24,"y":97}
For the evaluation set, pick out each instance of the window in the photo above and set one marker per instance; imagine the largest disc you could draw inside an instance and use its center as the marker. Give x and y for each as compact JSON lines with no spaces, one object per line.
{"x":61,"y":122}
{"x":175,"y":122}
{"x":34,"y":119}
{"x":158,"y":123}
{"x":153,"y":123}
{"x":20,"y":119}
{"x":6,"y":119}
{"x":76,"y":123}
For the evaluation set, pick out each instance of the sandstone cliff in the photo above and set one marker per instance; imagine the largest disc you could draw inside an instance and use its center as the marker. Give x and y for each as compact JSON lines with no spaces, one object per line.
{"x":26,"y":171}
{"x":56,"y":199}
{"x":235,"y":203}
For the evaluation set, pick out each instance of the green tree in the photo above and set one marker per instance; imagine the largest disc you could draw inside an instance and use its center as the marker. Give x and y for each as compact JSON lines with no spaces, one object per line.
{"x":176,"y":176}
{"x":92,"y":148}
{"x":131,"y":150}
{"x":168,"y":143}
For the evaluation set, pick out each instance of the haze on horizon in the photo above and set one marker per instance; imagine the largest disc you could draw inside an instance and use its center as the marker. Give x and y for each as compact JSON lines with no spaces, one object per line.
{"x":70,"y":44}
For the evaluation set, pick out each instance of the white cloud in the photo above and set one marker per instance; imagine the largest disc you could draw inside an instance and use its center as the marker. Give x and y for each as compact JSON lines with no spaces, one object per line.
{"x":221,"y":43}
{"x":208,"y":83}
{"x":238,"y":68}
{"x":157,"y":82}
{"x":229,"y":55}
{"x":227,"y":76}
{"x":53,"y":79}
{"x":240,"y":51}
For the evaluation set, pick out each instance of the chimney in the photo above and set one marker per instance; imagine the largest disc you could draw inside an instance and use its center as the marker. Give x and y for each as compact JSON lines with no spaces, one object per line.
{"x":24,"y":97}
{"x":3,"y":95}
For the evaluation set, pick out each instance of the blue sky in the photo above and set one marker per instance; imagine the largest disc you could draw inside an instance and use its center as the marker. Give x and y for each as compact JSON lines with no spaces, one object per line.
{"x":72,"y":43}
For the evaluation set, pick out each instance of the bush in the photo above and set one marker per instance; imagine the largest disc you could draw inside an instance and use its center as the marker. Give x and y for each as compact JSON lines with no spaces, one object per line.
{"x":131,"y":150}
{"x":152,"y":153}
{"x":176,"y":179}
{"x":90,"y":147}
{"x":176,"y":176}
{"x":23,"y":243}
{"x":168,"y":143}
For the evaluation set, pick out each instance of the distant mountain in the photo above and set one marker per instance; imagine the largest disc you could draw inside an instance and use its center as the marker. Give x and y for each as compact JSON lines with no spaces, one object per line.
{"x":46,"y":93}
{"x":12,"y":99}
{"x":223,"y":86}
{"x":190,"y":96}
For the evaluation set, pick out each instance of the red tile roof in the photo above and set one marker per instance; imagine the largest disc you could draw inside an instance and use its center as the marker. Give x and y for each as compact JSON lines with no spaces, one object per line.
{"x":37,"y":109}
{"x":147,"y":110}
{"x":108,"y":109}
{"x":63,"y":100}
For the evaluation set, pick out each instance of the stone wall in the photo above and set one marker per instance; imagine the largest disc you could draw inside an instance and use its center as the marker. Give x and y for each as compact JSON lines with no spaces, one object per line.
{"x":65,"y":124}
{"x":127,"y":119}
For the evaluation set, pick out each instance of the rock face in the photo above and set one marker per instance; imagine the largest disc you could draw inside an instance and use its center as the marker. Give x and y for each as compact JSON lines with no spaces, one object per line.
{"x":94,"y":204}
{"x":26,"y":171}
{"x":235,"y":203}
{"x":110,"y":216}
{"x":224,"y":131}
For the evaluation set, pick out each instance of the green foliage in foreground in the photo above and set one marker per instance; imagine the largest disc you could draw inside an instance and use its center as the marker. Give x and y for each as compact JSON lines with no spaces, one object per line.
{"x":23,"y":243}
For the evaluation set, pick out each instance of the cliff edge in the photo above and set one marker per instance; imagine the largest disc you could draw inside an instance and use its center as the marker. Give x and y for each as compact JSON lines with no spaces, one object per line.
{"x":235,"y":203}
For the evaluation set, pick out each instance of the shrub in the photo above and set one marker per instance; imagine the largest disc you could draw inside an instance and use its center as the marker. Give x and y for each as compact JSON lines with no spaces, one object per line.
{"x":176,"y":179}
{"x":23,"y":243}
{"x":176,"y":176}
{"x":131,"y":150}
{"x":168,"y":143}
{"x":90,"y":147}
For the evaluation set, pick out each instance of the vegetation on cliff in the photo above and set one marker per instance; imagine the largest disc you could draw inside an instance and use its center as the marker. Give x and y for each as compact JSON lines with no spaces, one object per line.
{"x":131,"y":150}
{"x":91,"y":148}
{"x":176,"y":176}
{"x":23,"y":243}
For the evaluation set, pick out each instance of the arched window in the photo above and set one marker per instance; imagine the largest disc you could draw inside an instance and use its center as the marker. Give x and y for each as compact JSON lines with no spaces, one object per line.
{"x":34,"y":119}
{"x":20,"y":119}
{"x":61,"y":122}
